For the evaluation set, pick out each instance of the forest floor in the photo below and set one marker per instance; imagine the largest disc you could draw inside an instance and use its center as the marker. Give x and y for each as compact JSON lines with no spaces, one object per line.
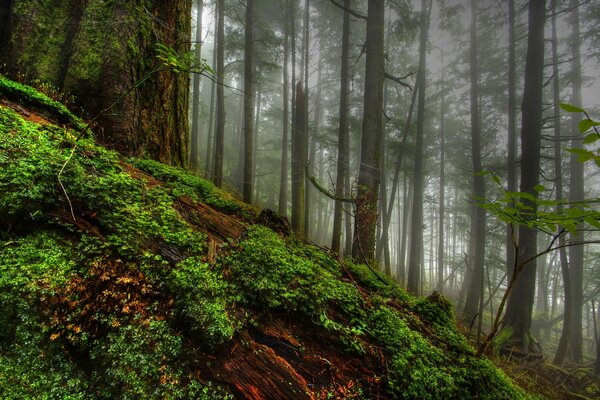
{"x":127,"y":278}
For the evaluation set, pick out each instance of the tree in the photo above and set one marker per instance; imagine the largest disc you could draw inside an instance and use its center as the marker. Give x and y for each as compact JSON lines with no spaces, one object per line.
{"x":520,"y":301}
{"x":343,"y":154}
{"x":511,"y":162}
{"x":249,"y":103}
{"x":477,"y":238}
{"x":298,"y":161}
{"x":415,"y":257}
{"x":283,"y":179}
{"x":195,"y":136}
{"x":571,"y":339}
{"x":71,"y":53}
{"x":363,"y":246}
{"x":220,"y":71}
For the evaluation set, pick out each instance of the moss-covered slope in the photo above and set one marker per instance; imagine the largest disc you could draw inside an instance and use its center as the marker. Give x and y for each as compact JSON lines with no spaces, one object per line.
{"x":140,"y":281}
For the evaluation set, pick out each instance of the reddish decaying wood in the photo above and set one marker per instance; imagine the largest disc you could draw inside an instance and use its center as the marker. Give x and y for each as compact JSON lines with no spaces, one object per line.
{"x":208,"y":220}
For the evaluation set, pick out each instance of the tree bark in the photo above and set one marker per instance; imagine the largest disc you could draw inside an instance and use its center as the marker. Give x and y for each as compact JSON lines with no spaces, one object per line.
{"x":477,"y":239}
{"x":363,"y":246}
{"x":511,"y":162}
{"x":71,"y":52}
{"x":248,"y":178}
{"x":442,"y":198}
{"x":195,"y":139}
{"x":298,"y":162}
{"x":220,"y":72}
{"x":343,"y":134}
{"x":283,"y":179}
{"x":571,"y":341}
{"x":415,"y":260}
{"x":520,"y":301}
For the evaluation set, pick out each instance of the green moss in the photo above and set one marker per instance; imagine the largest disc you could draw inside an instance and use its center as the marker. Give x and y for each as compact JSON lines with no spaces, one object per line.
{"x":269,"y":274}
{"x":140,"y":250}
{"x":185,"y":183}
{"x":201,"y":301}
{"x":27,"y":96}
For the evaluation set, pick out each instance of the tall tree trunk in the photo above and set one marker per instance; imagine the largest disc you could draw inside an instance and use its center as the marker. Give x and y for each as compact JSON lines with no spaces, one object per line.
{"x":211,"y":117}
{"x":220,"y":72}
{"x":283,"y":179}
{"x":306,"y":56}
{"x":249,"y":102}
{"x":442,"y":198}
{"x":575,"y":301}
{"x":255,"y":178}
{"x":520,"y":301}
{"x":415,"y":259}
{"x":343,"y":134}
{"x":477,"y":240}
{"x":511,"y":162}
{"x":563,"y":342}
{"x":298,"y":162}
{"x":576,"y":193}
{"x":195,"y":139}
{"x":406,"y":207}
{"x":363,"y":246}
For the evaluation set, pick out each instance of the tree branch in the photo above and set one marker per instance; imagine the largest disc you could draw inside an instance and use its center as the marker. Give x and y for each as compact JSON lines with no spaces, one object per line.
{"x":328,"y":193}
{"x":399,"y":80}
{"x":349,"y":11}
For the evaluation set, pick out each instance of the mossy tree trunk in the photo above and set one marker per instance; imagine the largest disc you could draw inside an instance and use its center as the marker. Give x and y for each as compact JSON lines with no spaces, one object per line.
{"x":96,"y":51}
{"x":363,"y":246}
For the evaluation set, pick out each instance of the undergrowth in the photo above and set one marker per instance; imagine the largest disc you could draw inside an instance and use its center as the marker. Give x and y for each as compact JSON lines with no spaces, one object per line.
{"x":111,"y":303}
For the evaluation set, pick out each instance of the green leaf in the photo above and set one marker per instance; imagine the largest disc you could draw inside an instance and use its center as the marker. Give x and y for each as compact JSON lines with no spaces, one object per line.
{"x":585,"y":124}
{"x":592,"y":221}
{"x":539,"y":188}
{"x":591,"y":138}
{"x":584,"y":155}
{"x":570,"y":108}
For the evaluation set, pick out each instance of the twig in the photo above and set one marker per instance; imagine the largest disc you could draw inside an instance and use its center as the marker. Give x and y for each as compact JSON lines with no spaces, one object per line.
{"x":349,"y":11}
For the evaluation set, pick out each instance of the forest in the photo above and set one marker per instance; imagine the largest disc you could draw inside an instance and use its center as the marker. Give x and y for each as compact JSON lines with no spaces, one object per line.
{"x":299,"y":199}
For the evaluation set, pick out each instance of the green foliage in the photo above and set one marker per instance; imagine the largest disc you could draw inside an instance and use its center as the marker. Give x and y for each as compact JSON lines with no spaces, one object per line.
{"x":111,"y":311}
{"x":138,"y":362}
{"x":184,"y":182}
{"x":201,"y":295}
{"x":178,"y":62}
{"x":28,"y":96}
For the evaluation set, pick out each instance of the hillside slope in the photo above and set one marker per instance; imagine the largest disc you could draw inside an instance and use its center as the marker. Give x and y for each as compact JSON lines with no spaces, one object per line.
{"x":130,"y":279}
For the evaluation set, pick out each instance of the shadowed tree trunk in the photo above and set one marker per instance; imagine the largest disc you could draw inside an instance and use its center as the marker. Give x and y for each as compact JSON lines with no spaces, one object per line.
{"x":571,"y":340}
{"x":283,"y":179}
{"x":442,"y":199}
{"x":220,"y":72}
{"x":520,"y":301}
{"x":249,"y":103}
{"x":511,"y":162}
{"x":415,"y":259}
{"x":343,"y":139}
{"x":477,"y":239}
{"x":195,"y":139}
{"x":363,"y":246}
{"x":298,"y":162}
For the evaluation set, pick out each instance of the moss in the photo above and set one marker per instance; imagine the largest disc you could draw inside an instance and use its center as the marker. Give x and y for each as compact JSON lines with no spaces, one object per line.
{"x":183,"y":182}
{"x":27,"y":96}
{"x":111,"y":306}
